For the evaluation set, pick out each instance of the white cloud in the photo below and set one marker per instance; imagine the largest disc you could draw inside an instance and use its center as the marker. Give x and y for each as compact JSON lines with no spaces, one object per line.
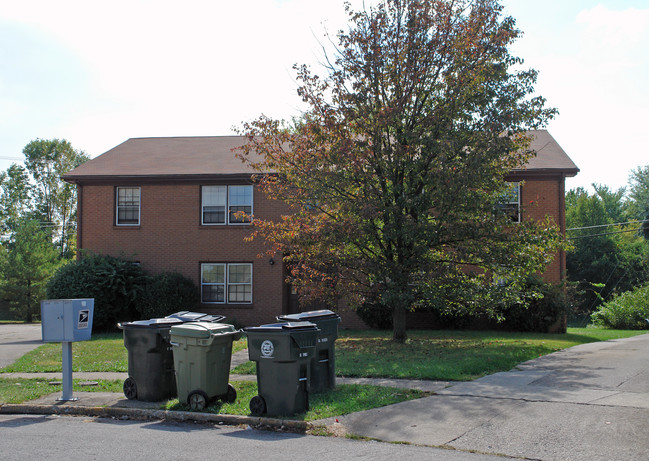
{"x":129,"y":68}
{"x":615,"y":29}
{"x":596,"y":76}
{"x":166,"y":68}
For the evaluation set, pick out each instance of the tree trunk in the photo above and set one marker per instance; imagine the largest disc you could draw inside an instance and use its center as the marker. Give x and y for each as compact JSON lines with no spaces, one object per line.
{"x":399,"y":323}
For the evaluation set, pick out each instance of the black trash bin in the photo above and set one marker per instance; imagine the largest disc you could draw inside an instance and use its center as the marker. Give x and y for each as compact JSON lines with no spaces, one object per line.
{"x":323,"y":362}
{"x":151,"y":374}
{"x":187,"y":316}
{"x":282,"y":352}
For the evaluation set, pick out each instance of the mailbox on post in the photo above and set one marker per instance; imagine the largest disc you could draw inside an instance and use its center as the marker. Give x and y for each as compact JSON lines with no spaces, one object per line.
{"x":66,"y":321}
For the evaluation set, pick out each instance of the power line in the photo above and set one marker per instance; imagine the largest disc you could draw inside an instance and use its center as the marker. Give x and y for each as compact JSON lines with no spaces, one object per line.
{"x":604,"y":233}
{"x":609,"y":225}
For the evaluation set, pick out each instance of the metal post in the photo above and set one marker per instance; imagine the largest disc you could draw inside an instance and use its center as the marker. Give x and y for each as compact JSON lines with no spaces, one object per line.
{"x":67,"y":372}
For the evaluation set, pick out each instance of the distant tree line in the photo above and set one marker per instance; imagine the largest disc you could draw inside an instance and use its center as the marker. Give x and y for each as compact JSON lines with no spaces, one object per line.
{"x":37,"y":222}
{"x":609,"y":230}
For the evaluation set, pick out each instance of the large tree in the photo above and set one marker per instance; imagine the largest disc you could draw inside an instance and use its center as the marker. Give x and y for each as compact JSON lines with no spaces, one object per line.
{"x":15,"y":198}
{"x":46,"y":160}
{"x":28,"y":264}
{"x":607,"y":256}
{"x":639,"y":197}
{"x":393,"y":171}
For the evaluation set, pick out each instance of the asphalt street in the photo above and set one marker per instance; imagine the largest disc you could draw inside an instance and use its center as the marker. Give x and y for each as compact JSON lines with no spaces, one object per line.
{"x":16,"y":340}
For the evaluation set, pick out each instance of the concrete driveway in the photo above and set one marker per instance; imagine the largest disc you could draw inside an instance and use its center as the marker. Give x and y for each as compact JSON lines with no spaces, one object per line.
{"x":16,"y":340}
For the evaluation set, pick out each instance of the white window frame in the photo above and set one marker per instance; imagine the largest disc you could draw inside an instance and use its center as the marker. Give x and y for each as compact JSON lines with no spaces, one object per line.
{"x":206,"y":203}
{"x":232,"y":284}
{"x":227,"y":283}
{"x":506,"y":200}
{"x":232,"y":202}
{"x":118,"y":206}
{"x":227,"y":204}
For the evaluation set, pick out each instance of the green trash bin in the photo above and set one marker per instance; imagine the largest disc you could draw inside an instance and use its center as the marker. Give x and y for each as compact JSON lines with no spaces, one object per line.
{"x":323,"y":362}
{"x":282,"y":352}
{"x":202,"y":353}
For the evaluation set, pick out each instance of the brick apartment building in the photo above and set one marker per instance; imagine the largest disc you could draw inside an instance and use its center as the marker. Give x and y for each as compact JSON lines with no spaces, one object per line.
{"x":169,"y":204}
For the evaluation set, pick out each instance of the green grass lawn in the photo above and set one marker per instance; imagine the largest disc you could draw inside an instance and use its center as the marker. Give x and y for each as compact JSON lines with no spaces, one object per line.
{"x":105,"y":352}
{"x":436,"y":355}
{"x":452,"y":355}
{"x":448,"y":355}
{"x":21,"y":390}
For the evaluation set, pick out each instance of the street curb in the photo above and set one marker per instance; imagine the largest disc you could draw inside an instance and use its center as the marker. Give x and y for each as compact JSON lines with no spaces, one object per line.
{"x":166,"y":415}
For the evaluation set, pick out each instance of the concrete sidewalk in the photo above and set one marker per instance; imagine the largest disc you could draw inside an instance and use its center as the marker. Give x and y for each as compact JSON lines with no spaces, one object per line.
{"x":590,"y":402}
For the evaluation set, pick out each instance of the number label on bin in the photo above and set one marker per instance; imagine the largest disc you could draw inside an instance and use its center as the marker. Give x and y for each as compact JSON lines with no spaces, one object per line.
{"x":304,"y":354}
{"x":323,"y":340}
{"x":267,"y":349}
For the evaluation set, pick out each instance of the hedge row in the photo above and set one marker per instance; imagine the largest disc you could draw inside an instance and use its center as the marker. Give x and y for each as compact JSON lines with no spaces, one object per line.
{"x":122,"y":290}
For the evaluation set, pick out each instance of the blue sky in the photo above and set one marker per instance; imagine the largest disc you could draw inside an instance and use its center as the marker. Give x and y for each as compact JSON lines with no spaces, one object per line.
{"x":97,"y":73}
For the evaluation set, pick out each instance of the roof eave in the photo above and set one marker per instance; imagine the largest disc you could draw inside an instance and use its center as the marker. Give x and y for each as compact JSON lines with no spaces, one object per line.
{"x":567,"y":172}
{"x":170,"y":178}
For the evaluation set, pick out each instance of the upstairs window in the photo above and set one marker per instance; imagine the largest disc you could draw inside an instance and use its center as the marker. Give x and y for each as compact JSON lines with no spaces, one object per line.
{"x":128,"y":206}
{"x":221,"y":203}
{"x":510,"y":202}
{"x":240,"y":200}
{"x":214,"y":204}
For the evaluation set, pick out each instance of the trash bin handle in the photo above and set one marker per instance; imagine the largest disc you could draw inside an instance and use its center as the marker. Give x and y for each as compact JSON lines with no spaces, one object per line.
{"x":174,"y":344}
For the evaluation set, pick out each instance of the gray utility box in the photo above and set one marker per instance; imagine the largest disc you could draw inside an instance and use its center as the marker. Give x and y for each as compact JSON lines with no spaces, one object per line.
{"x":67,"y":320}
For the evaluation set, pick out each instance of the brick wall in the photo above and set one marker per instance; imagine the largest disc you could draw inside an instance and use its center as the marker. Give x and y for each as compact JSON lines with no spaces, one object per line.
{"x":170,"y":237}
{"x":541,"y":197}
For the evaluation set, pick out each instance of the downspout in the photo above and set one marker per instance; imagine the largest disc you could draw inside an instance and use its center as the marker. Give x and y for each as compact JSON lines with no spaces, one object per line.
{"x":562,"y":225}
{"x":79,"y":218}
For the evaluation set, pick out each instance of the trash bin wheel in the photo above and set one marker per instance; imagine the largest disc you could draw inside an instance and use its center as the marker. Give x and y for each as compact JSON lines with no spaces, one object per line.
{"x":257,"y":405}
{"x":130,"y":388}
{"x":231,"y":395}
{"x":197,"y":400}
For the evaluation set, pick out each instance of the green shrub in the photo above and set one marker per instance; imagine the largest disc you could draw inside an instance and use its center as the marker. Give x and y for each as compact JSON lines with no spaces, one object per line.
{"x":627,"y":311}
{"x":543,"y":306}
{"x":375,"y":315}
{"x":114,"y":283}
{"x":166,"y":293}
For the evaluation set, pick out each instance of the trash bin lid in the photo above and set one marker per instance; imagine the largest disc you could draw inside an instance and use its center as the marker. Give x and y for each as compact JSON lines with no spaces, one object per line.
{"x":310,"y":315}
{"x":187,"y":316}
{"x":201,"y":329}
{"x":289,"y":326}
{"x":150,"y":323}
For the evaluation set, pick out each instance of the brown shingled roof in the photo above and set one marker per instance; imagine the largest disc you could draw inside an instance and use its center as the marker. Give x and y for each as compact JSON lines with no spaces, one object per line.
{"x":166,"y":157}
{"x":550,"y":157}
{"x":194,"y":157}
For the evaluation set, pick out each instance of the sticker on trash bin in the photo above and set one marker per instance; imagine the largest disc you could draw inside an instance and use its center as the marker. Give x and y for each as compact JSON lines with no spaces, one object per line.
{"x":267,"y":349}
{"x":83,"y":319}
